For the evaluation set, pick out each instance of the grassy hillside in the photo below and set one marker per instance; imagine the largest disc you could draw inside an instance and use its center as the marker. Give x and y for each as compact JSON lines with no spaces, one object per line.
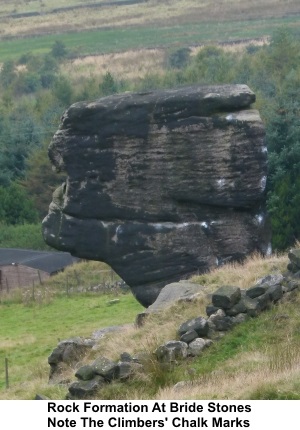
{"x":52,"y":16}
{"x":256,"y":360}
{"x":146,"y":24}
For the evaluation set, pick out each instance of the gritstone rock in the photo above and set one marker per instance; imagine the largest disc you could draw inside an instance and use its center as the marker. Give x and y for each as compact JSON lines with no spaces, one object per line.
{"x":198,"y":324}
{"x":161,"y":185}
{"x":182,"y":291}
{"x":86,"y":389}
{"x":106,"y":368}
{"x":226,"y":296}
{"x":171,"y":351}
{"x":294,"y":256}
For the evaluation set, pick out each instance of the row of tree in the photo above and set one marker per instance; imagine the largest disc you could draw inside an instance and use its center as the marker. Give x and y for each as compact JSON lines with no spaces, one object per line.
{"x":35,"y":93}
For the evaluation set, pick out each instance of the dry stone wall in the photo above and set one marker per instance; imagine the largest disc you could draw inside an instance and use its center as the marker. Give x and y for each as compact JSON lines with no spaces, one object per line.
{"x":229,"y":306}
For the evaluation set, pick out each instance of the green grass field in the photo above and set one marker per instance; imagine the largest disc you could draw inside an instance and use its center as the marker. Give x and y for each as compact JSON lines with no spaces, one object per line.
{"x":124,"y":39}
{"x":28,"y":333}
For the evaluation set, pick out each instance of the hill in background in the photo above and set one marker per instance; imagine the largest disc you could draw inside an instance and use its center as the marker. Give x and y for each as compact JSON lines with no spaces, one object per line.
{"x":116,"y":26}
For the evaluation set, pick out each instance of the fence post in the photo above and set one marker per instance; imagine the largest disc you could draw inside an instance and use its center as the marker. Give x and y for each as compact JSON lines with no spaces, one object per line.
{"x":77,"y":279}
{"x":19,"y":279}
{"x":6,"y":374}
{"x":112,"y":277}
{"x":40,"y":278}
{"x":33,"y":292}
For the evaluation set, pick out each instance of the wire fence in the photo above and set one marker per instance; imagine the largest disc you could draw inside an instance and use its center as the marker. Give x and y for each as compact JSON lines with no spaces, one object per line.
{"x":41,"y":291}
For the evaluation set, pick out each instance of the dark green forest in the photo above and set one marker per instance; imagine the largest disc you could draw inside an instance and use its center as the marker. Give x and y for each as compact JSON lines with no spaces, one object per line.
{"x":34,"y":94}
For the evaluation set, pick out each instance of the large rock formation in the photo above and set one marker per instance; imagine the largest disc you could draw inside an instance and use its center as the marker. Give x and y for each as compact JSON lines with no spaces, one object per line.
{"x":161,"y":185}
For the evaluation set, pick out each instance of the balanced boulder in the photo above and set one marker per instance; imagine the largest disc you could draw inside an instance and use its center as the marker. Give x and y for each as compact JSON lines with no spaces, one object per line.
{"x":161,"y":185}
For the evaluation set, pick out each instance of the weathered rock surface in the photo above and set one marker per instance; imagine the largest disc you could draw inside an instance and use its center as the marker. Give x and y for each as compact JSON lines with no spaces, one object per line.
{"x":68,"y":352}
{"x":175,"y":292}
{"x":198,"y":345}
{"x":294,"y":256}
{"x":106,"y":368}
{"x":226,"y":296}
{"x":198,"y":324}
{"x":169,"y":295}
{"x":85,"y":389}
{"x":267,"y":284}
{"x":161,"y":185}
{"x":171,"y":351}
{"x":220,"y":321}
{"x":189,"y":336}
{"x":85,"y":373}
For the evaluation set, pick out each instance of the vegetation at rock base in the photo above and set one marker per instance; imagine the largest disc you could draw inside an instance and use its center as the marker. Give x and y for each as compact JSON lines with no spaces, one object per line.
{"x":256,"y":360}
